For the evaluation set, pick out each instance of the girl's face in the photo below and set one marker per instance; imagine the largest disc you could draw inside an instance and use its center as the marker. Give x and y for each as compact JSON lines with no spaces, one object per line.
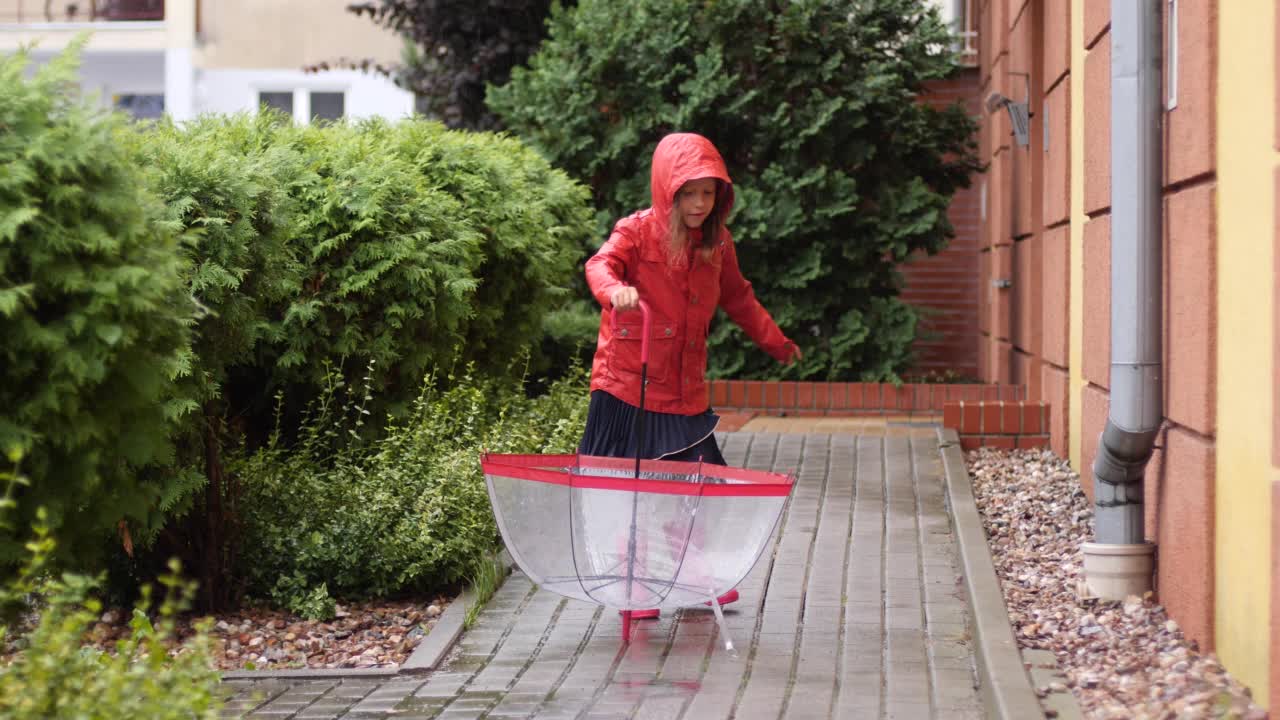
{"x":695,"y":200}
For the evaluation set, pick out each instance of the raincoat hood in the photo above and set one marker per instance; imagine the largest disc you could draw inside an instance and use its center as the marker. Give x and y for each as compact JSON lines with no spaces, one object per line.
{"x":679,"y":158}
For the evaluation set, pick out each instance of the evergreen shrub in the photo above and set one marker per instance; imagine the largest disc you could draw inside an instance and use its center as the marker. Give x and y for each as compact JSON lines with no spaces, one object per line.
{"x":93,"y":318}
{"x":406,"y":245}
{"x":390,"y":248}
{"x":841,"y":172}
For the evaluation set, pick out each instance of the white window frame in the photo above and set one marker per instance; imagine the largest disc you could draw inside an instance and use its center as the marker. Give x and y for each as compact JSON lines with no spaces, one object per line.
{"x":302,"y":98}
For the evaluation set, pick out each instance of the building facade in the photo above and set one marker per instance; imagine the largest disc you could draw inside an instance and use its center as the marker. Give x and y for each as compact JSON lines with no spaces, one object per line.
{"x":188,"y":57}
{"x":1045,"y":285}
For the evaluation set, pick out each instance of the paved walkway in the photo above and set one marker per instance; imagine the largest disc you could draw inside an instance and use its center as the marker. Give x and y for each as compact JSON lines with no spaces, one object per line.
{"x":856,"y":613}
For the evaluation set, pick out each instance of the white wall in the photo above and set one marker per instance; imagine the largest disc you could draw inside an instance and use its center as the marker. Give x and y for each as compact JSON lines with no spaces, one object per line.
{"x":110,"y":73}
{"x":231,"y":91}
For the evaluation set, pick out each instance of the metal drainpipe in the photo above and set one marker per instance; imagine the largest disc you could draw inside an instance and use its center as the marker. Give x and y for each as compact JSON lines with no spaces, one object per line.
{"x":1120,"y":562}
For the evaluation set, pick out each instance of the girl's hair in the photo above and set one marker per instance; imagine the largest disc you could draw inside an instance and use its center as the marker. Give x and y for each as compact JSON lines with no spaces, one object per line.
{"x":711,"y":227}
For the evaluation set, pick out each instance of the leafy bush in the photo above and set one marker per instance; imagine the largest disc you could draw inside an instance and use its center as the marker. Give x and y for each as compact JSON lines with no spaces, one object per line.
{"x":147,"y":676}
{"x":402,"y":247}
{"x":840,"y":172}
{"x":407,"y":512}
{"x":93,"y":318}
{"x":403,"y":244}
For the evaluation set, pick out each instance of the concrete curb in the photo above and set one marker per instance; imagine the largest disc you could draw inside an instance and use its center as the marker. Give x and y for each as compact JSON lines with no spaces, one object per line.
{"x":426,"y":657}
{"x":429,"y":653}
{"x":1006,"y":687}
{"x":310,"y":674}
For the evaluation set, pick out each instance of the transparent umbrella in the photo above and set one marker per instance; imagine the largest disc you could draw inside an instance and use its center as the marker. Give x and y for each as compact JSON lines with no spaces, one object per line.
{"x":634,"y":534}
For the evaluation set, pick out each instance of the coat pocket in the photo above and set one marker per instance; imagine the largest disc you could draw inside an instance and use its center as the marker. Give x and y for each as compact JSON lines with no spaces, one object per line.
{"x":625,"y":345}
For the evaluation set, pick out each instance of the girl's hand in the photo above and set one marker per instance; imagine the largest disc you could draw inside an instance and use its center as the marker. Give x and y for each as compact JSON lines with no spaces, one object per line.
{"x":625,"y":299}
{"x":794,"y":356}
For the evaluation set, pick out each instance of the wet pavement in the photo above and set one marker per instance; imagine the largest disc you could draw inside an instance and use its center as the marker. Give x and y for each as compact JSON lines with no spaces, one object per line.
{"x":856,"y":611}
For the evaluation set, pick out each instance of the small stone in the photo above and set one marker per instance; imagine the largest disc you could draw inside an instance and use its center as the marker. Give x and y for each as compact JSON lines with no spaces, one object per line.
{"x":433,"y":611}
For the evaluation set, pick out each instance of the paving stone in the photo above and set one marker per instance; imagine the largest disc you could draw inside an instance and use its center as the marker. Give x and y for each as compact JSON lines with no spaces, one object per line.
{"x":854,"y":611}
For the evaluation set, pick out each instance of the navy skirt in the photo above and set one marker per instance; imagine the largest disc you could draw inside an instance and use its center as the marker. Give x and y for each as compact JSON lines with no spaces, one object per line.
{"x":611,"y":432}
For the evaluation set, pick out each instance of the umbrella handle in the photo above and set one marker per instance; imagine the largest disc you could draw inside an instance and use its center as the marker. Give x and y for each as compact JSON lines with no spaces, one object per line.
{"x":645,"y":327}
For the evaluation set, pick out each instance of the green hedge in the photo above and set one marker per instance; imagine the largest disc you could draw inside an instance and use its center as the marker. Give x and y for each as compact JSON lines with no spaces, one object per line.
{"x":93,"y":318}
{"x":406,"y":245}
{"x":159,"y":285}
{"x":841,"y":172}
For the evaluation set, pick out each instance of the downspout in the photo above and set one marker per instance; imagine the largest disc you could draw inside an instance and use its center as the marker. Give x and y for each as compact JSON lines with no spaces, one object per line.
{"x":1120,"y":563}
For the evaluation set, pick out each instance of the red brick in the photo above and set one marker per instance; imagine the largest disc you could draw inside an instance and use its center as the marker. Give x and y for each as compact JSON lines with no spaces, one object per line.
{"x":870,"y":396}
{"x":970,"y":418}
{"x":1054,"y":313}
{"x":895,"y":397}
{"x":991,"y":393}
{"x":991,"y":424}
{"x":951,"y":415}
{"x":1056,"y":390}
{"x":1191,"y":308}
{"x":1097,"y":301}
{"x":1097,"y":128}
{"x":822,"y":393}
{"x":1011,"y":418}
{"x":1029,"y":442}
{"x":786,"y":395}
{"x":855,"y":396}
{"x":938,"y":400}
{"x":1097,"y":18}
{"x":754,"y":394}
{"x":1056,"y":187}
{"x":922,"y":397}
{"x":805,"y":395}
{"x":1002,"y":354}
{"x":1057,"y":40}
{"x":772,"y":395}
{"x":735,"y":394}
{"x":1093,"y":405}
{"x":1032,"y":418}
{"x":1001,"y":442}
{"x":1184,"y":484}
{"x":1191,"y":127}
{"x":719,"y":394}
{"x":970,"y":442}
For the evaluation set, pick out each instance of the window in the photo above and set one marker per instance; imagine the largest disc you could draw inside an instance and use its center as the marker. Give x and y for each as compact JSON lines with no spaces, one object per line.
{"x":282,"y":101}
{"x":140,"y":106}
{"x":327,"y":106}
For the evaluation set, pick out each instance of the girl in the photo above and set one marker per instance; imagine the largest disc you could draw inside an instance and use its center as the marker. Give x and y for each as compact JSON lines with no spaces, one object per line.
{"x":679,"y":258}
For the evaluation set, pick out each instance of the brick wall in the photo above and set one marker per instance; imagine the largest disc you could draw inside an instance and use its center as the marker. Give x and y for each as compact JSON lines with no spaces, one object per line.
{"x":945,"y":285}
{"x":851,"y":398}
{"x":1025,"y":236}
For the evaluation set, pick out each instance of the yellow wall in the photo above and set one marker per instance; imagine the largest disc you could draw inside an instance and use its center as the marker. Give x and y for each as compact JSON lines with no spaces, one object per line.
{"x":289,"y":33}
{"x":1246,"y":161}
{"x":1075,"y":383}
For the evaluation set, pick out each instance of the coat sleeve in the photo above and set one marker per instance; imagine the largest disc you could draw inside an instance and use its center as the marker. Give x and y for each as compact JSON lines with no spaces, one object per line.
{"x":739,"y":301}
{"x":607,"y":269}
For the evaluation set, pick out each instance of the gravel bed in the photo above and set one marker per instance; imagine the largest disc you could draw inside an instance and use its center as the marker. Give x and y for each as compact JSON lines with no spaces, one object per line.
{"x":375,"y":634}
{"x":1121,"y":659}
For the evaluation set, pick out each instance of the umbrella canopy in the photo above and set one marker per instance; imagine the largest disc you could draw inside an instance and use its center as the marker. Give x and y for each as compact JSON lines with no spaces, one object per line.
{"x":672,"y":534}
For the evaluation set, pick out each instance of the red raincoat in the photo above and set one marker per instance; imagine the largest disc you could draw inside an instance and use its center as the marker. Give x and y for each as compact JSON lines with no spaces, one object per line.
{"x":682,"y":300}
